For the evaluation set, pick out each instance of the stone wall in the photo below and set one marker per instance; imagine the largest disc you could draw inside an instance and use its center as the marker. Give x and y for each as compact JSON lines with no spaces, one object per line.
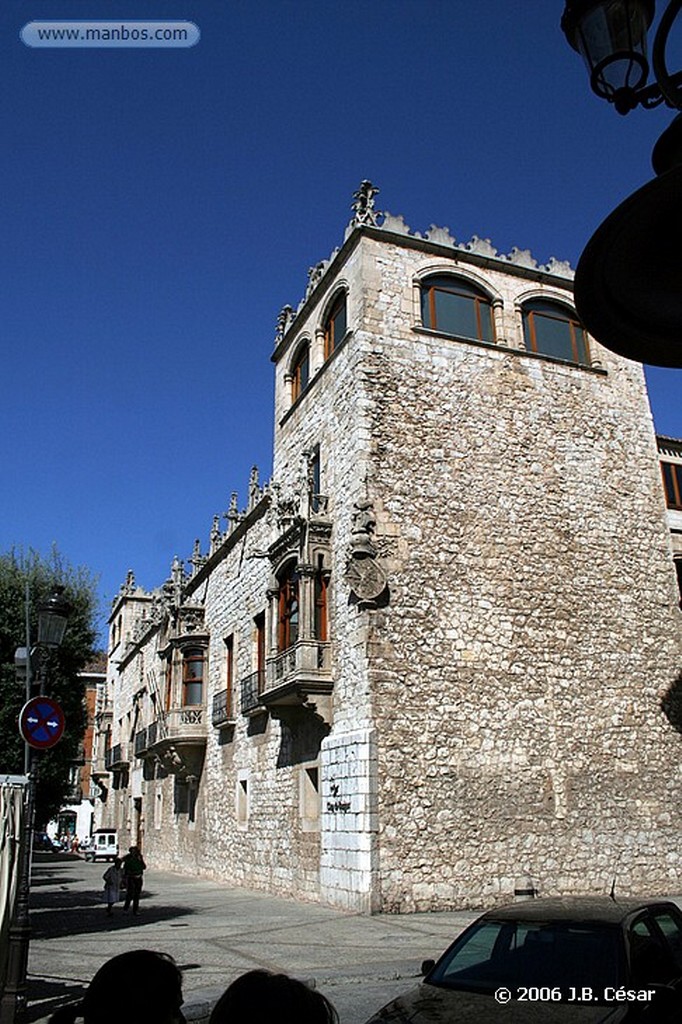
{"x":532,"y":627}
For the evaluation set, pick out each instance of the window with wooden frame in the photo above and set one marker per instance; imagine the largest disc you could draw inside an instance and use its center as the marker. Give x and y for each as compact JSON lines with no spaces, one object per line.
{"x":259,"y":624}
{"x":300,"y":372}
{"x":320,"y":616}
{"x":552,"y":330}
{"x":193,"y":662}
{"x":168,"y":696}
{"x":229,"y":673}
{"x":335,"y":325}
{"x":287,"y":608}
{"x":457,"y":307}
{"x":672,"y":483}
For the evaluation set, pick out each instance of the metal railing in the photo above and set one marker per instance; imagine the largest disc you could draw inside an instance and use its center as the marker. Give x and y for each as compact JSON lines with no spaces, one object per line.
{"x":251,"y":688}
{"x":221,"y":711}
{"x":140,"y":742}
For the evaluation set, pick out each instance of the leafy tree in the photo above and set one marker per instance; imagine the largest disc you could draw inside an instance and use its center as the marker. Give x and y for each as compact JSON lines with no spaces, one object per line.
{"x":62,"y":683}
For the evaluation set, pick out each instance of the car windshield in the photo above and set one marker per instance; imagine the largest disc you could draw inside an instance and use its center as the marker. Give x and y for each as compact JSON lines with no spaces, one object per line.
{"x":558,"y":954}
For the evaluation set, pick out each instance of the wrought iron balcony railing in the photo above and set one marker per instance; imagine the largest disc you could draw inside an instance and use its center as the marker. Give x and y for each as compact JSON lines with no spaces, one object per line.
{"x":221,"y":711}
{"x":251,"y":689}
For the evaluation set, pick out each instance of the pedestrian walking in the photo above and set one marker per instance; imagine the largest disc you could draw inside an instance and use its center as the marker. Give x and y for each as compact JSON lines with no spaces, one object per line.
{"x":138,"y":987}
{"x":113,"y":877}
{"x":133,"y":869}
{"x":263,"y":996}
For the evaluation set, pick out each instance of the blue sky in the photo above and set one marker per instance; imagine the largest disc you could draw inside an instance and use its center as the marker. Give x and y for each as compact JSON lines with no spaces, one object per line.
{"x":159,"y":207}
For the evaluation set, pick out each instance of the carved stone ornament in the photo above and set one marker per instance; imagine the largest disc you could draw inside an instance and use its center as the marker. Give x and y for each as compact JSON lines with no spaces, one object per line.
{"x":284,"y":320}
{"x":363,"y":205}
{"x":366,"y":578}
{"x":364,"y":522}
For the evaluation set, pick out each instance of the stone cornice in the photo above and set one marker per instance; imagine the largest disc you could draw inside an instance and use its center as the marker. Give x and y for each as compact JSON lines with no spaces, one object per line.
{"x":239,"y":531}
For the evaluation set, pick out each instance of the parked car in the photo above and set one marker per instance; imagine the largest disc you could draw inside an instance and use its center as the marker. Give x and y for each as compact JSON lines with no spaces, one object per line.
{"x":104,"y":845}
{"x":550,"y":961}
{"x":44,"y":843}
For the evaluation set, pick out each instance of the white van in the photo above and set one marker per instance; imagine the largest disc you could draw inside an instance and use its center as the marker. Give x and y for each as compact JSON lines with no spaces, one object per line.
{"x":104,"y":845}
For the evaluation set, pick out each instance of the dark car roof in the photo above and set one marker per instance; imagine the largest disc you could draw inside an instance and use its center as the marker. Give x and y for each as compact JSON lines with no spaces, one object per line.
{"x":575,"y":908}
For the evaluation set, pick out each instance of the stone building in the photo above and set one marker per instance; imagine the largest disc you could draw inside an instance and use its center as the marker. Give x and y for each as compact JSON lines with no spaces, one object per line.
{"x":427,"y":659}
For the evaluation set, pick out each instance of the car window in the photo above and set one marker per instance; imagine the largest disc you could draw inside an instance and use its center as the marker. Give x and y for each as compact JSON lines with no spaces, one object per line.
{"x":671,"y":927}
{"x":651,"y":960}
{"x":511,"y":954}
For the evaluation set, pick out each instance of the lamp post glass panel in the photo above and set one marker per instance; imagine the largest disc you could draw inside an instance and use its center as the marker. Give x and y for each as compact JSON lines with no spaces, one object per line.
{"x":627,"y":283}
{"x":52,"y":618}
{"x":611,"y":37}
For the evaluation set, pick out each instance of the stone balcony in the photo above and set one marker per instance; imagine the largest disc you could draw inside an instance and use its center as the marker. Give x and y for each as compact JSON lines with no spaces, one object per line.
{"x":177,"y":738}
{"x":301,"y":675}
{"x":116,"y":757}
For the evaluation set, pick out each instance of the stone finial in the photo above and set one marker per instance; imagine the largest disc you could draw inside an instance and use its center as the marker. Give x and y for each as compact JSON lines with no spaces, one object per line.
{"x":232,"y":514}
{"x":215,"y":533}
{"x":314,"y":275}
{"x":254,"y":487}
{"x":284,"y":320}
{"x":197,"y":559}
{"x":129,"y":586}
{"x":364,"y":213}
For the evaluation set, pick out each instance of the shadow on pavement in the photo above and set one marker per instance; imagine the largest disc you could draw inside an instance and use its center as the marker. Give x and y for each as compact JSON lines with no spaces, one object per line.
{"x":44,"y":997}
{"x":62,"y":914}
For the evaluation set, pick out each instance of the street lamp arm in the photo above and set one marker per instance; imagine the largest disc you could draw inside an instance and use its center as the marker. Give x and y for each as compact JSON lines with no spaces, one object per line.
{"x":670,"y":85}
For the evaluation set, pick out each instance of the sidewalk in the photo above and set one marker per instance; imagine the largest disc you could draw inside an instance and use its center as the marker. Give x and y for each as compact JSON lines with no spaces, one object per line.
{"x":217,"y":932}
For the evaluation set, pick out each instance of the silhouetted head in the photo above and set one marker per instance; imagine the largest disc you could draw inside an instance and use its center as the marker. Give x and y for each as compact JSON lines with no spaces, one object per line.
{"x":272,"y":999}
{"x":138,"y":987}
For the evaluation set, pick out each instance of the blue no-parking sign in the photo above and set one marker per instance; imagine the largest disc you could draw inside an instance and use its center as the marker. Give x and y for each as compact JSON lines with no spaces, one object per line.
{"x":41,"y":722}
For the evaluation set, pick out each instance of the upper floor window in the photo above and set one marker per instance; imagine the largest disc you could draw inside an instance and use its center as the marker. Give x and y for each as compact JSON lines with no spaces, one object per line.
{"x":552,"y":330}
{"x":288,"y":609}
{"x":335,"y":325}
{"x":320,"y":616}
{"x":456,"y":307}
{"x":300,"y":372}
{"x":193,"y":676}
{"x":672,"y":483}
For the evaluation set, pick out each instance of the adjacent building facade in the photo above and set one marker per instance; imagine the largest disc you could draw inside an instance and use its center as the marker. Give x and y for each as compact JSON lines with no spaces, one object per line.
{"x":427,"y":659}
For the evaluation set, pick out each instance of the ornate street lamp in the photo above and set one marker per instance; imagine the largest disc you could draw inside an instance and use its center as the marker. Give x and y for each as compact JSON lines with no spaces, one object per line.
{"x":627,"y":282}
{"x":52,"y":618}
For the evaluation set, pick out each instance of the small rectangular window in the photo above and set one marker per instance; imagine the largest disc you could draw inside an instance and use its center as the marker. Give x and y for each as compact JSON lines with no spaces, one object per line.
{"x":242,"y":801}
{"x":672,"y":483}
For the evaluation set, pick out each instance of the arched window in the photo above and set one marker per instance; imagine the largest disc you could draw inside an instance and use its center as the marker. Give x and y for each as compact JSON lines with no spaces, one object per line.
{"x":454,"y":306}
{"x":552,"y":330}
{"x":287,"y":609}
{"x":193,"y":660}
{"x":335,"y":325}
{"x":300,"y":372}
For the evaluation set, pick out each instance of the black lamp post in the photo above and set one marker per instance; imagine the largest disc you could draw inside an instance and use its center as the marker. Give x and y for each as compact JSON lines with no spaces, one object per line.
{"x":627,"y":283}
{"x":52,"y":617}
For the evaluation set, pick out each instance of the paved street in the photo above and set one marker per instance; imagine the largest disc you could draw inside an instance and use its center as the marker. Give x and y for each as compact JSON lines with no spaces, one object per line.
{"x":217,"y":932}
